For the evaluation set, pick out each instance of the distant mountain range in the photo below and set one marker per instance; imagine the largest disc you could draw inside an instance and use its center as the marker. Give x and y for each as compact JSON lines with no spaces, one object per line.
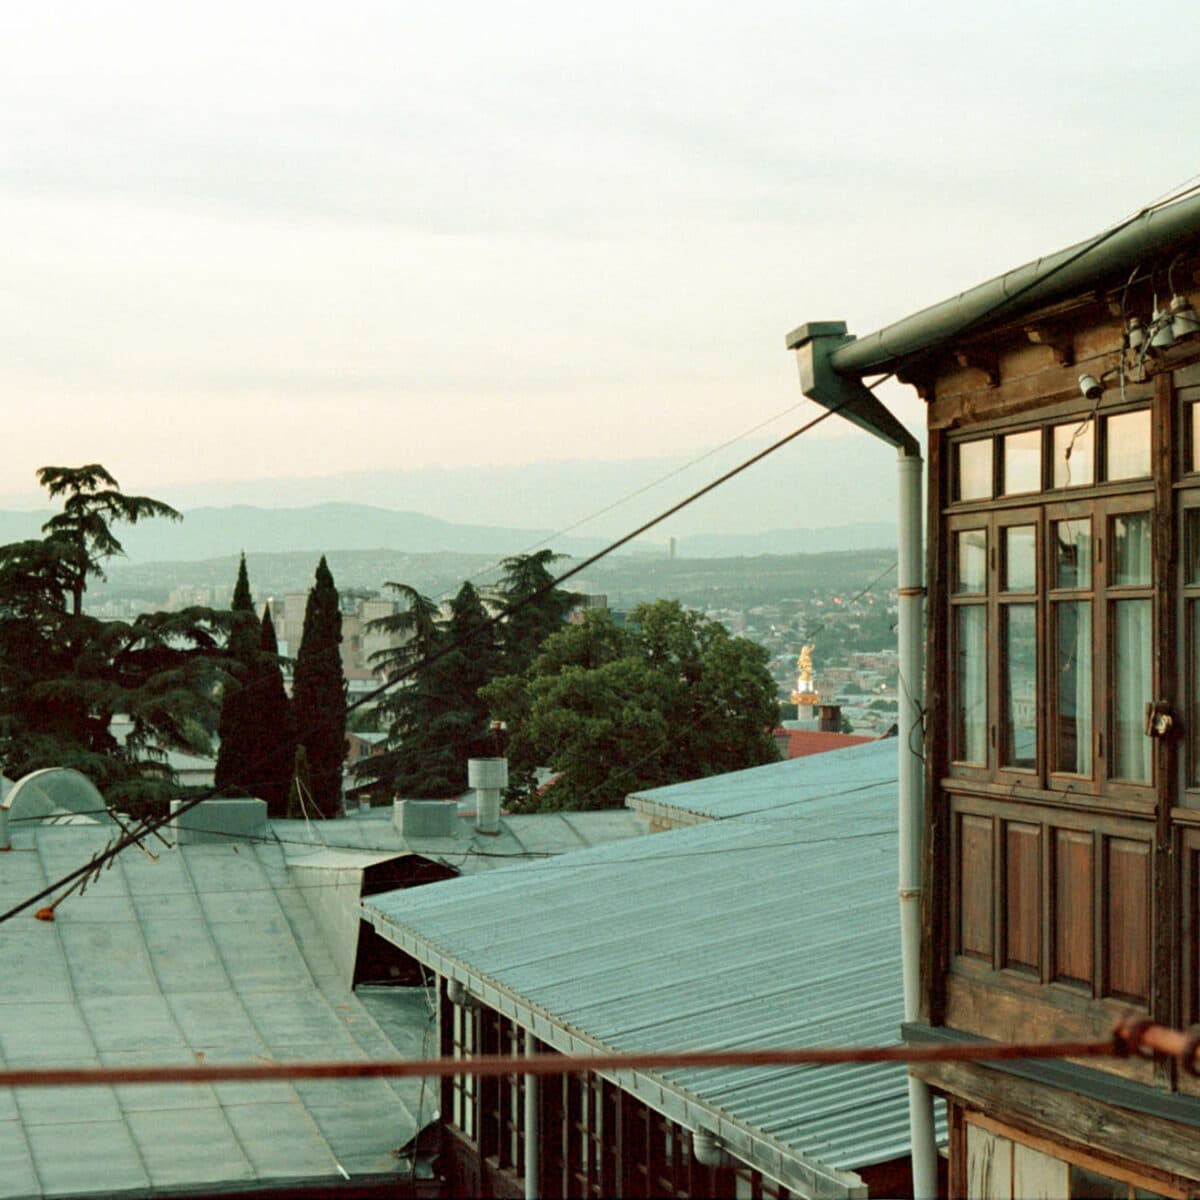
{"x":813,"y":484}
{"x":220,"y":532}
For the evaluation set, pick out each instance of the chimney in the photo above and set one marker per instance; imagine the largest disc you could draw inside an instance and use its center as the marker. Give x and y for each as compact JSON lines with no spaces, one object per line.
{"x":489,"y":777}
{"x":830,"y":718}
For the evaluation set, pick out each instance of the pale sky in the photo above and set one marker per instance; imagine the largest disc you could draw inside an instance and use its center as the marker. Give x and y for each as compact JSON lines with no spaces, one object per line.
{"x":285,"y":239}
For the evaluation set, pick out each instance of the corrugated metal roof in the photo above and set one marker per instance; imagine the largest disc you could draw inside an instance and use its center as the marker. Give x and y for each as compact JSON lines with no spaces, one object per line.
{"x":777,"y":928}
{"x":212,"y":952}
{"x":525,"y":837}
{"x":781,"y":790}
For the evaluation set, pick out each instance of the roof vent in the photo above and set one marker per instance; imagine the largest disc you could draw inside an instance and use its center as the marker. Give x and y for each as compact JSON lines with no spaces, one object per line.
{"x":489,"y":777}
{"x":425,"y":818}
{"x":220,"y":820}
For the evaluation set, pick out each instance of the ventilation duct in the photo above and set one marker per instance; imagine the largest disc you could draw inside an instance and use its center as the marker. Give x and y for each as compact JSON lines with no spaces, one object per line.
{"x":489,"y":778}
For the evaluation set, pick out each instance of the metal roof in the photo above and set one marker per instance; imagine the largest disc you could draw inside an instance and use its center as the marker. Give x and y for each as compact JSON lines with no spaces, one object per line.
{"x":782,"y":790}
{"x":773,"y":924}
{"x":1103,"y":258}
{"x":212,"y":952}
{"x":521,"y":837}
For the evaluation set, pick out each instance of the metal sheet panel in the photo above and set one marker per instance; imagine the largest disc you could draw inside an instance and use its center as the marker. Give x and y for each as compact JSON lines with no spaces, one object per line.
{"x":773,"y":923}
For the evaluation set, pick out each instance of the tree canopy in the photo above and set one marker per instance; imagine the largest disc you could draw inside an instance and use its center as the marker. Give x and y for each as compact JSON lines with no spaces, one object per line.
{"x":669,"y":697}
{"x":435,"y":718}
{"x":319,"y":692}
{"x":238,"y":748}
{"x":64,"y":675}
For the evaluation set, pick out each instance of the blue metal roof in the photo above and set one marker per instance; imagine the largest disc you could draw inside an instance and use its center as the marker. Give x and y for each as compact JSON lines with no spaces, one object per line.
{"x":774,"y":924}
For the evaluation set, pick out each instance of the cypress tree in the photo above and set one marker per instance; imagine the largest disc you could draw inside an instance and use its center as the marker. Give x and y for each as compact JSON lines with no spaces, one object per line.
{"x":274,"y":722}
{"x":237,"y":752}
{"x":319,"y":692}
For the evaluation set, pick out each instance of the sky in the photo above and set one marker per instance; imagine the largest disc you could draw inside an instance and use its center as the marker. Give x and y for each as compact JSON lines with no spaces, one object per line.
{"x":250,"y":241}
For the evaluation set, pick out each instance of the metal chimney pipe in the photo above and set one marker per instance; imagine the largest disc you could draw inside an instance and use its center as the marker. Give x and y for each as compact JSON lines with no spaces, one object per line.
{"x":489,"y":778}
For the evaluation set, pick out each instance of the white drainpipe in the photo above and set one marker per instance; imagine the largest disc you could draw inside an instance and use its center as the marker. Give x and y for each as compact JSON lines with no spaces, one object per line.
{"x":815,"y":344}
{"x":531,"y":1126}
{"x":910,"y":632}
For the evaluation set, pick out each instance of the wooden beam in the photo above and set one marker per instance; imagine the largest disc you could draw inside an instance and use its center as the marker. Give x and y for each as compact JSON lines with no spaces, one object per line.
{"x":1079,"y":1122}
{"x":1059,"y":342}
{"x":980,"y":358}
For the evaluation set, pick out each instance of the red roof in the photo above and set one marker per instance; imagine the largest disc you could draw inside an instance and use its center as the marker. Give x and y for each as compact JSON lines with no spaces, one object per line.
{"x":802,"y":742}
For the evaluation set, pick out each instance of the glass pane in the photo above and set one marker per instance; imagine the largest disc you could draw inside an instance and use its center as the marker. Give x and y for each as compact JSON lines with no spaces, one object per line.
{"x":970,"y":740}
{"x":1194,"y":450}
{"x":1076,"y":469}
{"x":1193,"y":724}
{"x":1023,"y":462}
{"x":971,"y":569}
{"x":1130,"y":689}
{"x":1019,"y":649}
{"x":1130,"y":556}
{"x":975,"y":470}
{"x":1020,"y":558}
{"x":1127,"y":445}
{"x":1096,"y":1187}
{"x":1191,"y":543}
{"x":1073,"y":687}
{"x":1073,"y":553}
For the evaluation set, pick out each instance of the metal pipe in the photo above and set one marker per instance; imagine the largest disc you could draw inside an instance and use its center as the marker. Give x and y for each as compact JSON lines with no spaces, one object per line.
{"x":817,"y":346}
{"x":1067,"y":272}
{"x":910,"y":633}
{"x":532,"y":1131}
{"x":491,"y":1065}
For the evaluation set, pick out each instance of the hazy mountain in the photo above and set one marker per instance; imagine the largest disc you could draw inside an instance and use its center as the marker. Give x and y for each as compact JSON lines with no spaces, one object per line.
{"x":813,"y":483}
{"x":216,"y":533}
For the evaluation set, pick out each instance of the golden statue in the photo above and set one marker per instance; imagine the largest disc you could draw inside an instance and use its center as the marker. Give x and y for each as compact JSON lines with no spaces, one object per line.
{"x":806,"y":692}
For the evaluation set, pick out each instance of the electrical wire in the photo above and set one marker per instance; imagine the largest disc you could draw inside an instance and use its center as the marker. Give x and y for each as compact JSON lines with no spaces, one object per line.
{"x":151,"y":825}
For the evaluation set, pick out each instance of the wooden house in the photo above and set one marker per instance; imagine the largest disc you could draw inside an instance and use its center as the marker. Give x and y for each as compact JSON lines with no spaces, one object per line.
{"x":1062,"y":696}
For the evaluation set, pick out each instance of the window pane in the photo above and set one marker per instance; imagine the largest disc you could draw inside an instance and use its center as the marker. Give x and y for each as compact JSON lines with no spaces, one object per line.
{"x":1076,"y":469}
{"x":1194,"y":449}
{"x":1194,"y":699}
{"x":971,"y":569}
{"x":970,"y":740}
{"x":1073,"y":687}
{"x":1127,"y":445}
{"x":1023,"y":462}
{"x":1191,"y":543}
{"x":1073,"y":553}
{"x":975,"y":470}
{"x":1019,"y":649}
{"x":1130,"y":689}
{"x":1130,"y":556}
{"x":1020,"y":558}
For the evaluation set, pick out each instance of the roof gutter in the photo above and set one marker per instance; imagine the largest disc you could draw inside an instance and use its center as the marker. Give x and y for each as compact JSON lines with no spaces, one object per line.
{"x":1072,"y":270}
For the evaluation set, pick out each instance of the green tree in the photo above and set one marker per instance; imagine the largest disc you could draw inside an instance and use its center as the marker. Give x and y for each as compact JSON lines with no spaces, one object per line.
{"x":274,"y":722}
{"x":539,"y":609}
{"x":238,"y":750}
{"x":64,"y":675}
{"x":83,"y":530}
{"x":436,"y":719}
{"x":319,"y":692}
{"x":670,"y":697}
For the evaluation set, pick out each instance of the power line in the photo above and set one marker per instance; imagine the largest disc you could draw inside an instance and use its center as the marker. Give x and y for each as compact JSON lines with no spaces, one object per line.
{"x":152,"y":825}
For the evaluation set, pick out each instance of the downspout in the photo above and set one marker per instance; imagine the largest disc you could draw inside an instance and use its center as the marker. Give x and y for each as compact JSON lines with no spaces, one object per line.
{"x":814,"y":345}
{"x":532,"y":1132}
